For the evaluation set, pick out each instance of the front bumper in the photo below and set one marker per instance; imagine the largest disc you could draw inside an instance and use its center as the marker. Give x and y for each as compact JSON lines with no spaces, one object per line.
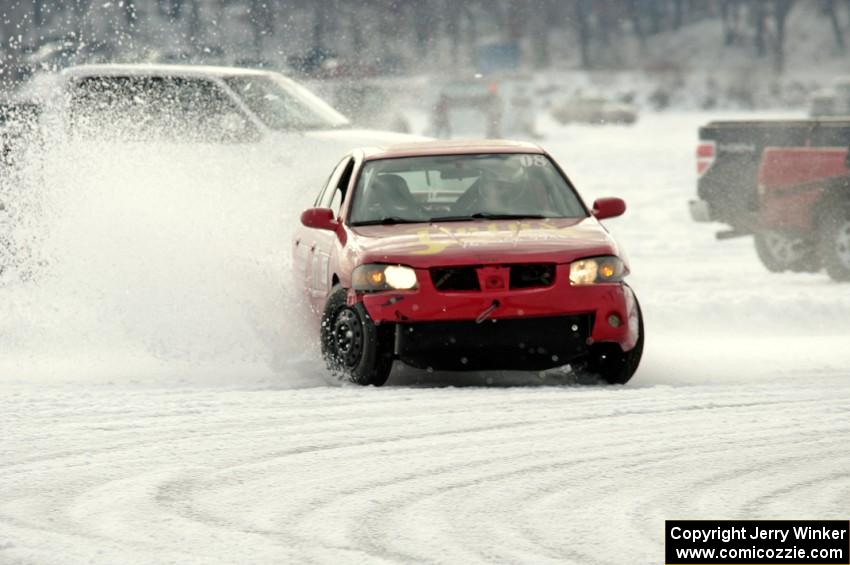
{"x":528,"y":328}
{"x":509,"y":344}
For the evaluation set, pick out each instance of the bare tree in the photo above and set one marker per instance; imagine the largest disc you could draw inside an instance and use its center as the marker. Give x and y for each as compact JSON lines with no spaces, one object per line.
{"x":678,"y":13}
{"x":655,"y":16}
{"x":195,"y":24}
{"x":470,"y":32}
{"x":319,"y":25}
{"x":539,"y":29}
{"x":130,"y":16}
{"x":729,"y":17}
{"x":781,"y":8}
{"x":39,"y":13}
{"x":759,"y":17}
{"x":424,"y":25}
{"x":829,"y":9}
{"x":582,"y":9}
{"x":637,"y":24}
{"x":170,"y":9}
{"x":604,"y":23}
{"x":516,"y":15}
{"x":356,"y":21}
{"x":262,"y":23}
{"x":451,"y":9}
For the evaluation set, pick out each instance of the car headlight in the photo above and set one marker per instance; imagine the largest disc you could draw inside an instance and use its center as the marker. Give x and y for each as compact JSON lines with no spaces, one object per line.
{"x":369,"y":278}
{"x":593,"y":270}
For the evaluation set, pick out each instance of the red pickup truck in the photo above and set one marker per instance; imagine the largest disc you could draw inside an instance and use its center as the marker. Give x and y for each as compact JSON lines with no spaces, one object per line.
{"x":804,"y":209}
{"x":786,"y":183}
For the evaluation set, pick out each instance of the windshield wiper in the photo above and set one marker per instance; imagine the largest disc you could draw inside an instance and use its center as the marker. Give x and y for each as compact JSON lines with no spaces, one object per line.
{"x":387,"y":221}
{"x":487,"y":216}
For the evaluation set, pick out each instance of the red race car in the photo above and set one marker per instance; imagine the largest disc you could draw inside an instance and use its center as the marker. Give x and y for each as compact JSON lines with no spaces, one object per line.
{"x":474,"y":255}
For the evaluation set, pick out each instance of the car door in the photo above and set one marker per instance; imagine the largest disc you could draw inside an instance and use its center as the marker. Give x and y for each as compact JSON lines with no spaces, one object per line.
{"x":325,"y":241}
{"x":305,"y":241}
{"x":307,"y":265}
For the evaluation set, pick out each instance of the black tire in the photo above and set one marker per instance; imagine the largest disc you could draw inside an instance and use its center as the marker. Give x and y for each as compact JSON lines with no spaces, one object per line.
{"x":608,"y":362}
{"x":834,"y":241}
{"x":780,"y":252}
{"x":354,"y":348}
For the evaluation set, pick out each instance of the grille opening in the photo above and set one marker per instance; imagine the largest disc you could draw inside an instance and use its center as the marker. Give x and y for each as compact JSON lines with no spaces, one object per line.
{"x":455,"y":278}
{"x":530,"y":276}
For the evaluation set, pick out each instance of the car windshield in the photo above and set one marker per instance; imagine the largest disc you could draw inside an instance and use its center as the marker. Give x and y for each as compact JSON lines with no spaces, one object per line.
{"x":283,"y":104}
{"x":462,"y":187}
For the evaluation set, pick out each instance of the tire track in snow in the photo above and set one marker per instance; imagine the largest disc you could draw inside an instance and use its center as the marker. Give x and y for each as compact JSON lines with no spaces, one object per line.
{"x":400,"y":475}
{"x":543,"y":489}
{"x":397,"y":449}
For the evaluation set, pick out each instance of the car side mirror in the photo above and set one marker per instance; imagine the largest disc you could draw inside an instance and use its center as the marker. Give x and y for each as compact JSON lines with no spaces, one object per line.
{"x":319,"y":218}
{"x":608,"y":208}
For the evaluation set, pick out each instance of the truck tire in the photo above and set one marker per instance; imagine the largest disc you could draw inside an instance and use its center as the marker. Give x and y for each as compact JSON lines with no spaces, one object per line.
{"x":354,"y":348}
{"x":834,"y":241}
{"x":610,"y":363}
{"x":779,"y":252}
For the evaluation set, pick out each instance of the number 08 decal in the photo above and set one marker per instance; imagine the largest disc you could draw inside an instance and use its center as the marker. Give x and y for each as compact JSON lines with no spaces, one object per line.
{"x":533,"y":161}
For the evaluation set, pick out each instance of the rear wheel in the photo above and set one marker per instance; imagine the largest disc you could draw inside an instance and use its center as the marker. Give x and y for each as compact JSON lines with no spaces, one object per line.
{"x":354,"y":348}
{"x":781,"y":252}
{"x":834,"y":241}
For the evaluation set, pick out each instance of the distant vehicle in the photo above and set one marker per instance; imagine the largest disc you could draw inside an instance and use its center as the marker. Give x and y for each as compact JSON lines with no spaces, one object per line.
{"x":822,"y":103}
{"x":595,"y":111}
{"x":469,"y":107}
{"x":831,"y":102}
{"x":782,"y":181}
{"x":370,"y":103}
{"x":469,"y":255}
{"x":87,"y":110}
{"x":486,"y":106}
{"x":184,"y":103}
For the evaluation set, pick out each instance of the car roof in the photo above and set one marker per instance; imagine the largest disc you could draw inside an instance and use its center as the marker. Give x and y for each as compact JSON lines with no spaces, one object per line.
{"x":449,"y":147}
{"x":146,"y":69}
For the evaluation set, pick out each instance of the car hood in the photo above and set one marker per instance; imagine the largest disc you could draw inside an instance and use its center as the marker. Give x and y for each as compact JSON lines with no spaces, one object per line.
{"x":478,"y":242}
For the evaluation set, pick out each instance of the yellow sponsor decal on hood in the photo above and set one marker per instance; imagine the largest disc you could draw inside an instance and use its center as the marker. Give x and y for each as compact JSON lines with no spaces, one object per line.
{"x":437,"y":240}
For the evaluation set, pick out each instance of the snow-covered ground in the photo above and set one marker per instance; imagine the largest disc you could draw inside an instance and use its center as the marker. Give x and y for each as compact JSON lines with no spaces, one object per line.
{"x":214,"y":439}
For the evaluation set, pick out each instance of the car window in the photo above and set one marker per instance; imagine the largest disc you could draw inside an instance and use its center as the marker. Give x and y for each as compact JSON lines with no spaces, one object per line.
{"x":140,"y":108}
{"x":334,"y":198}
{"x":282,"y":104}
{"x":336,"y":203}
{"x":432,"y":188}
{"x":337,"y":171}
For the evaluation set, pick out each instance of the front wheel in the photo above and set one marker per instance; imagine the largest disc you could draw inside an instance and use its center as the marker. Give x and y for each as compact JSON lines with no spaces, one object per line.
{"x":610,"y":363}
{"x":834,"y":242}
{"x":354,"y":348}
